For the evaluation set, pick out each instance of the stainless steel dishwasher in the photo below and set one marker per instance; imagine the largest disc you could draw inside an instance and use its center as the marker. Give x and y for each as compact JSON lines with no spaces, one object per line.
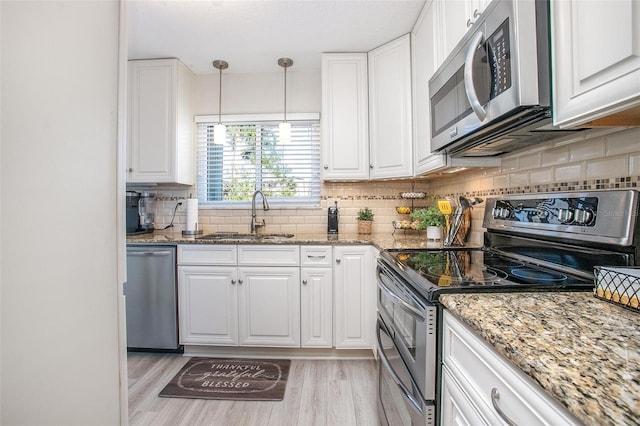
{"x":151,"y":298}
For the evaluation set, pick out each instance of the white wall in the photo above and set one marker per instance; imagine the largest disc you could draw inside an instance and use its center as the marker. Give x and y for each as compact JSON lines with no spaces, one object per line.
{"x":59,"y":287}
{"x":258,"y":93}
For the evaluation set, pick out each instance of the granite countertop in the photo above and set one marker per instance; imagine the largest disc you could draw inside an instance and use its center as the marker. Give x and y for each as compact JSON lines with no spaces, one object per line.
{"x":584,"y":352}
{"x":382,"y":241}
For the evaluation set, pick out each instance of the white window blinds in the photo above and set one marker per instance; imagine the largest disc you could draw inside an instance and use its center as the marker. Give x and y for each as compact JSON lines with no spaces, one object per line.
{"x":253,"y":157}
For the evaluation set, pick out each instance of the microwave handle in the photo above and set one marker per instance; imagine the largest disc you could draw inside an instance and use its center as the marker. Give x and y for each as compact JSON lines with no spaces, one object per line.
{"x":468,"y":77}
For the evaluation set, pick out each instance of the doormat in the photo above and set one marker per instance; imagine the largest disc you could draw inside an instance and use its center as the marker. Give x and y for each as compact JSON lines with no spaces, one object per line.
{"x":237,"y":379}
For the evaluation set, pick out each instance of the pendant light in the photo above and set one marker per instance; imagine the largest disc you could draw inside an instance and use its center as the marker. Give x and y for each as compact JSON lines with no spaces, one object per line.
{"x":285,"y":127}
{"x":220,"y":130}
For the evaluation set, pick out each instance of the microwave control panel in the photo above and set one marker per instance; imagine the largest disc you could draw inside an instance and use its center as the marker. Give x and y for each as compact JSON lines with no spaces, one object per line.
{"x":498,"y":47}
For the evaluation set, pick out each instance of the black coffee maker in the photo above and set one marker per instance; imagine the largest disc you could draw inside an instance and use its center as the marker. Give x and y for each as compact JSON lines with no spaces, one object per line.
{"x":139,"y":213}
{"x":332,"y":219}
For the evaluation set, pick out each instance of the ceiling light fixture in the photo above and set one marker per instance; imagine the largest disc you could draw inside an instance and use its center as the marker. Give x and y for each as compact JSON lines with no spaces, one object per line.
{"x":285,"y":127}
{"x":220,"y":130}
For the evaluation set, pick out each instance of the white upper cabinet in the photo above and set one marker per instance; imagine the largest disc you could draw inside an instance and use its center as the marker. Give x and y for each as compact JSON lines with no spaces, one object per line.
{"x":345,"y":126}
{"x":390,"y":137}
{"x":595,"y":62}
{"x":424,"y":54}
{"x":453,"y":20}
{"x":160,"y":122}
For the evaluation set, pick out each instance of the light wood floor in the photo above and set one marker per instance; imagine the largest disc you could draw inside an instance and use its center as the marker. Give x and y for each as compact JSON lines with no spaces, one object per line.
{"x":319,"y":392}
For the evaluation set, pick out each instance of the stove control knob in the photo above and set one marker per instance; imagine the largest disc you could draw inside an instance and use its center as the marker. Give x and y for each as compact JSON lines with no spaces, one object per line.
{"x":583,"y":216}
{"x":565,"y":215}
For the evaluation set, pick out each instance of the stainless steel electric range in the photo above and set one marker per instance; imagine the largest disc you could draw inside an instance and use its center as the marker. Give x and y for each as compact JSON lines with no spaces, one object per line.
{"x":534,"y":242}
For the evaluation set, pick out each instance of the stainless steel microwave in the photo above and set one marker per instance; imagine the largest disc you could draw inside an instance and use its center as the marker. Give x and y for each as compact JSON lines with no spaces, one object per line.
{"x":492,"y":94}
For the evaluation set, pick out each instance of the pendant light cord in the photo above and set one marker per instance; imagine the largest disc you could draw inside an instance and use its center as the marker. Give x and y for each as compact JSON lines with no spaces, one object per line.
{"x":285,"y":94}
{"x":220,"y":98}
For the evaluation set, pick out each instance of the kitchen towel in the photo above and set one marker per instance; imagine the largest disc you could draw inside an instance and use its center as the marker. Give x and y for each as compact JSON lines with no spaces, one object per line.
{"x":192,"y":214}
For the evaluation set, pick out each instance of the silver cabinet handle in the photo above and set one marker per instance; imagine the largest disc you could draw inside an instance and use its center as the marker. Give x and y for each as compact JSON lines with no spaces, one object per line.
{"x":337,"y":260}
{"x":326,"y":166}
{"x":148,"y":253}
{"x":239,"y":281}
{"x":476,"y":14}
{"x":304,"y":282}
{"x":130,"y":169}
{"x":233,"y":282}
{"x":468,"y":77}
{"x":314,"y":257}
{"x":371,"y":166}
{"x":495,"y":398}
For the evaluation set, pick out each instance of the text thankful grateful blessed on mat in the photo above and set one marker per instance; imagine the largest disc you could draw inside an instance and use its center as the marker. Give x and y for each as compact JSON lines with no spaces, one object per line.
{"x":238,"y":379}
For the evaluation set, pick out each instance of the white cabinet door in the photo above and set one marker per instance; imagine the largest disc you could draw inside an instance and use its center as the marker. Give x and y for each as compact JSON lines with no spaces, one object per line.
{"x":316,"y":307}
{"x":423,"y":49}
{"x":345,"y":127}
{"x":390,"y":132}
{"x":269,"y":306}
{"x":457,"y":409}
{"x":454,"y":18}
{"x":160,"y":122}
{"x":595,"y":60}
{"x":207,"y":307}
{"x":354,"y":282}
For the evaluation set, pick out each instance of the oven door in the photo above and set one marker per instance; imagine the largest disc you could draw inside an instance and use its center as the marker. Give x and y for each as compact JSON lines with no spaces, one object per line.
{"x":399,"y":399}
{"x":411,"y":324}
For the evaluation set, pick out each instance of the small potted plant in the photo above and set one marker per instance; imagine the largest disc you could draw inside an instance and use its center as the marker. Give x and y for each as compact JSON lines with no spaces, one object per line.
{"x":430,"y":219}
{"x":365,"y":219}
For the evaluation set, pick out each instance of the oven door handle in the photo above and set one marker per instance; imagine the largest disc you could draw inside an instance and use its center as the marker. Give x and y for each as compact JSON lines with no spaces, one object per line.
{"x":394,"y":376}
{"x":414,"y":311}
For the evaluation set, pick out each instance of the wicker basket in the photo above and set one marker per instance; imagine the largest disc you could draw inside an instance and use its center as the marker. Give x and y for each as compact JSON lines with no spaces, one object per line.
{"x":364,"y":226}
{"x":620,"y":286}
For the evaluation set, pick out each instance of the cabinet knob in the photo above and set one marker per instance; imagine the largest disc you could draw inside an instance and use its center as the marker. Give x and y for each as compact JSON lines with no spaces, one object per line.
{"x":233,"y":281}
{"x":304,"y":282}
{"x":371,"y":166}
{"x":326,"y":167}
{"x":239,"y":281}
{"x":337,"y":260}
{"x":130,"y":169}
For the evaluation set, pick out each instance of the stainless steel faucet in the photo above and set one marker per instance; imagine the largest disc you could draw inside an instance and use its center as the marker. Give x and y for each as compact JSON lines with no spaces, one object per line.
{"x":265,"y":206}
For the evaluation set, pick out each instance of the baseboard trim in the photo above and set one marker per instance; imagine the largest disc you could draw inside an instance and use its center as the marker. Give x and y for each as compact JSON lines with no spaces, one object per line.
{"x":290,"y":353}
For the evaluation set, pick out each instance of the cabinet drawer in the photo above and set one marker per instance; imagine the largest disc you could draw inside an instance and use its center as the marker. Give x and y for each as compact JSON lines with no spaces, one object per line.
{"x":220,"y":254}
{"x":318,"y":256}
{"x":269,"y":255}
{"x":481,"y":370}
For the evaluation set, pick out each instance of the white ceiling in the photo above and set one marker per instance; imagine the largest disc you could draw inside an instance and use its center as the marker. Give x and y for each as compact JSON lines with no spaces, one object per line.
{"x":252,"y":35}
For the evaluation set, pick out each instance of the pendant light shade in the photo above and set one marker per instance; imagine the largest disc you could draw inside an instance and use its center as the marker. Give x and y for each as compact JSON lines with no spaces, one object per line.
{"x":220,"y":130}
{"x":285,"y":127}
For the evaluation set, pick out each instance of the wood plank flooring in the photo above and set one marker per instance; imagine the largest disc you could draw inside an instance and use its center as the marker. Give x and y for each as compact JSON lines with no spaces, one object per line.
{"x":319,"y":392}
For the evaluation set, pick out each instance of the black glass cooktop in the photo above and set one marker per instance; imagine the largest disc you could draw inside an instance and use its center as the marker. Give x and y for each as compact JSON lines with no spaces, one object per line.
{"x":433,"y":272}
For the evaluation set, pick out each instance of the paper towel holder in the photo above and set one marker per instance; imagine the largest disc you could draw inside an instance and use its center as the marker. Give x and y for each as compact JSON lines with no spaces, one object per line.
{"x":197,"y":230}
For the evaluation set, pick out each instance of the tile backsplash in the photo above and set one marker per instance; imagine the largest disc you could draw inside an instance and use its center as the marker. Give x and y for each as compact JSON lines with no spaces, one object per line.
{"x":605,"y":159}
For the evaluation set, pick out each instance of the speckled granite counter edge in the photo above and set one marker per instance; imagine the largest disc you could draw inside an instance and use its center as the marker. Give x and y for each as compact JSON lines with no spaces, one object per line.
{"x":380,"y":241}
{"x":582,"y":351}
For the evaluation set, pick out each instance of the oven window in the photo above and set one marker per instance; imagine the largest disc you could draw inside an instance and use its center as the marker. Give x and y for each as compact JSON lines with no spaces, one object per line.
{"x":405,"y":326}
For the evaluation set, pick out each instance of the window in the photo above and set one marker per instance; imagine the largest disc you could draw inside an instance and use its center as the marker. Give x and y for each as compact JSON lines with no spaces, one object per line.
{"x":254,"y":158}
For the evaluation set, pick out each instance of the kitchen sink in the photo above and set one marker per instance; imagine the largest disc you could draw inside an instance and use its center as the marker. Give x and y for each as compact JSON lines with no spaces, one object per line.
{"x":239,"y":236}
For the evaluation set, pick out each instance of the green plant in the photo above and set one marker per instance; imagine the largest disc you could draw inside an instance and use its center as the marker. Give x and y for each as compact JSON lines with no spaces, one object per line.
{"x":365,"y":213}
{"x":429,"y":216}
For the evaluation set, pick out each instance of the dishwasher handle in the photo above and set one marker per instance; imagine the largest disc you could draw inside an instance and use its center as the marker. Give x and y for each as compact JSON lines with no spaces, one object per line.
{"x":149,"y":253}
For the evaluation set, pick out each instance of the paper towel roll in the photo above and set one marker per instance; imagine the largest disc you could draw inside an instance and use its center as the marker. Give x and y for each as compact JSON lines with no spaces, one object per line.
{"x":192,"y":214}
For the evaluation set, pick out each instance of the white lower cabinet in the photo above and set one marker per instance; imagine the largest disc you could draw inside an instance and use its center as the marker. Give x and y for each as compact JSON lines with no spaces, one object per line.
{"x":276,"y":295}
{"x":208,"y":305}
{"x":354,"y":282}
{"x":269,"y":306}
{"x":243,"y":305}
{"x":480,"y":386}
